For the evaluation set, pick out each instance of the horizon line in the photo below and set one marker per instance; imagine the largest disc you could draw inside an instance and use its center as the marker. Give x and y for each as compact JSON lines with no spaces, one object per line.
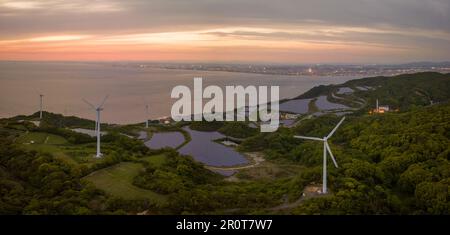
{"x":230,"y":62}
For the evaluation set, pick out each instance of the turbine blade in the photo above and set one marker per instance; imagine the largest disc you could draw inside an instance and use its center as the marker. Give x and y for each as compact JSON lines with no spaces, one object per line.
{"x":307,"y":138}
{"x":335,"y":128}
{"x":92,"y":106}
{"x":331,"y":154}
{"x":103,"y":102}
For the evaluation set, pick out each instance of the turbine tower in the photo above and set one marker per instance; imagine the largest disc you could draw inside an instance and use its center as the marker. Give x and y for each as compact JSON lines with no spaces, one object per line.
{"x":41,"y":96}
{"x":98,"y":109}
{"x":326,"y":148}
{"x":146,"y":116}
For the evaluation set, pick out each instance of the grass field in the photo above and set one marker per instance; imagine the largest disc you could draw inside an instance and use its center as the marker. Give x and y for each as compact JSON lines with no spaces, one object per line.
{"x":58,"y":147}
{"x":156,"y":160}
{"x":41,"y":138}
{"x":117,"y":180}
{"x":46,"y":142}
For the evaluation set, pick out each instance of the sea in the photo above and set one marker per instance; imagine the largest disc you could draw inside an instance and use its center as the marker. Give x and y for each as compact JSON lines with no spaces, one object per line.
{"x":130,"y":88}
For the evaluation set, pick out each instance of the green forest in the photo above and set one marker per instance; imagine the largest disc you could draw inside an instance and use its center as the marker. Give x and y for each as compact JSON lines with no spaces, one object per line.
{"x":392,"y":163}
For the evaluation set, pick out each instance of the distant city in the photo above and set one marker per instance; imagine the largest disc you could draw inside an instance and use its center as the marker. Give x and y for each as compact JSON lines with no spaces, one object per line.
{"x":303,"y":70}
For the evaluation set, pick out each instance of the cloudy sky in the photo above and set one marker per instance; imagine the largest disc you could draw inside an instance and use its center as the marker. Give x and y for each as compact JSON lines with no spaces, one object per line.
{"x":281,"y":31}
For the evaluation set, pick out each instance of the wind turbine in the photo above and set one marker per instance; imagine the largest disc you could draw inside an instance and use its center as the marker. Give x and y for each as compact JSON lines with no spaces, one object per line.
{"x":146,"y":116}
{"x":326,"y":148}
{"x":41,"y":96}
{"x":144,"y":100}
{"x":98,"y":109}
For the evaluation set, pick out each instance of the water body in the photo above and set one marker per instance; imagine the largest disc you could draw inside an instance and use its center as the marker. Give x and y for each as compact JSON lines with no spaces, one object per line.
{"x":65,"y":84}
{"x":344,"y":90}
{"x":203,"y":149}
{"x":142,"y":135}
{"x":323,"y":104}
{"x":363,"y":88}
{"x":300,"y":106}
{"x":295,"y":106}
{"x":165,"y":139}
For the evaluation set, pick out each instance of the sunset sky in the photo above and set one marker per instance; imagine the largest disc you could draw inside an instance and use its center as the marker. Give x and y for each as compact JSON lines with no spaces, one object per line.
{"x":281,"y":31}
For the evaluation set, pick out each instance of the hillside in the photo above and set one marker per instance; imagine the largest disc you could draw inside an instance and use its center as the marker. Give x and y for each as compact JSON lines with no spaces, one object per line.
{"x":395,"y":163}
{"x":400,"y":92}
{"x":391,"y":163}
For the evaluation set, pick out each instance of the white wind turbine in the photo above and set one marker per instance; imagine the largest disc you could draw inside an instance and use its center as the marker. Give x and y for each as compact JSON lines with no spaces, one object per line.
{"x":146,"y":116}
{"x":98,"y":109}
{"x":326,"y":148}
{"x":41,"y":97}
{"x":144,"y":100}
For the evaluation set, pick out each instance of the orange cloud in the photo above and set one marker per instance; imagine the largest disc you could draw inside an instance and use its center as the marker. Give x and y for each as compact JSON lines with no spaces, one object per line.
{"x":220,"y":44}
